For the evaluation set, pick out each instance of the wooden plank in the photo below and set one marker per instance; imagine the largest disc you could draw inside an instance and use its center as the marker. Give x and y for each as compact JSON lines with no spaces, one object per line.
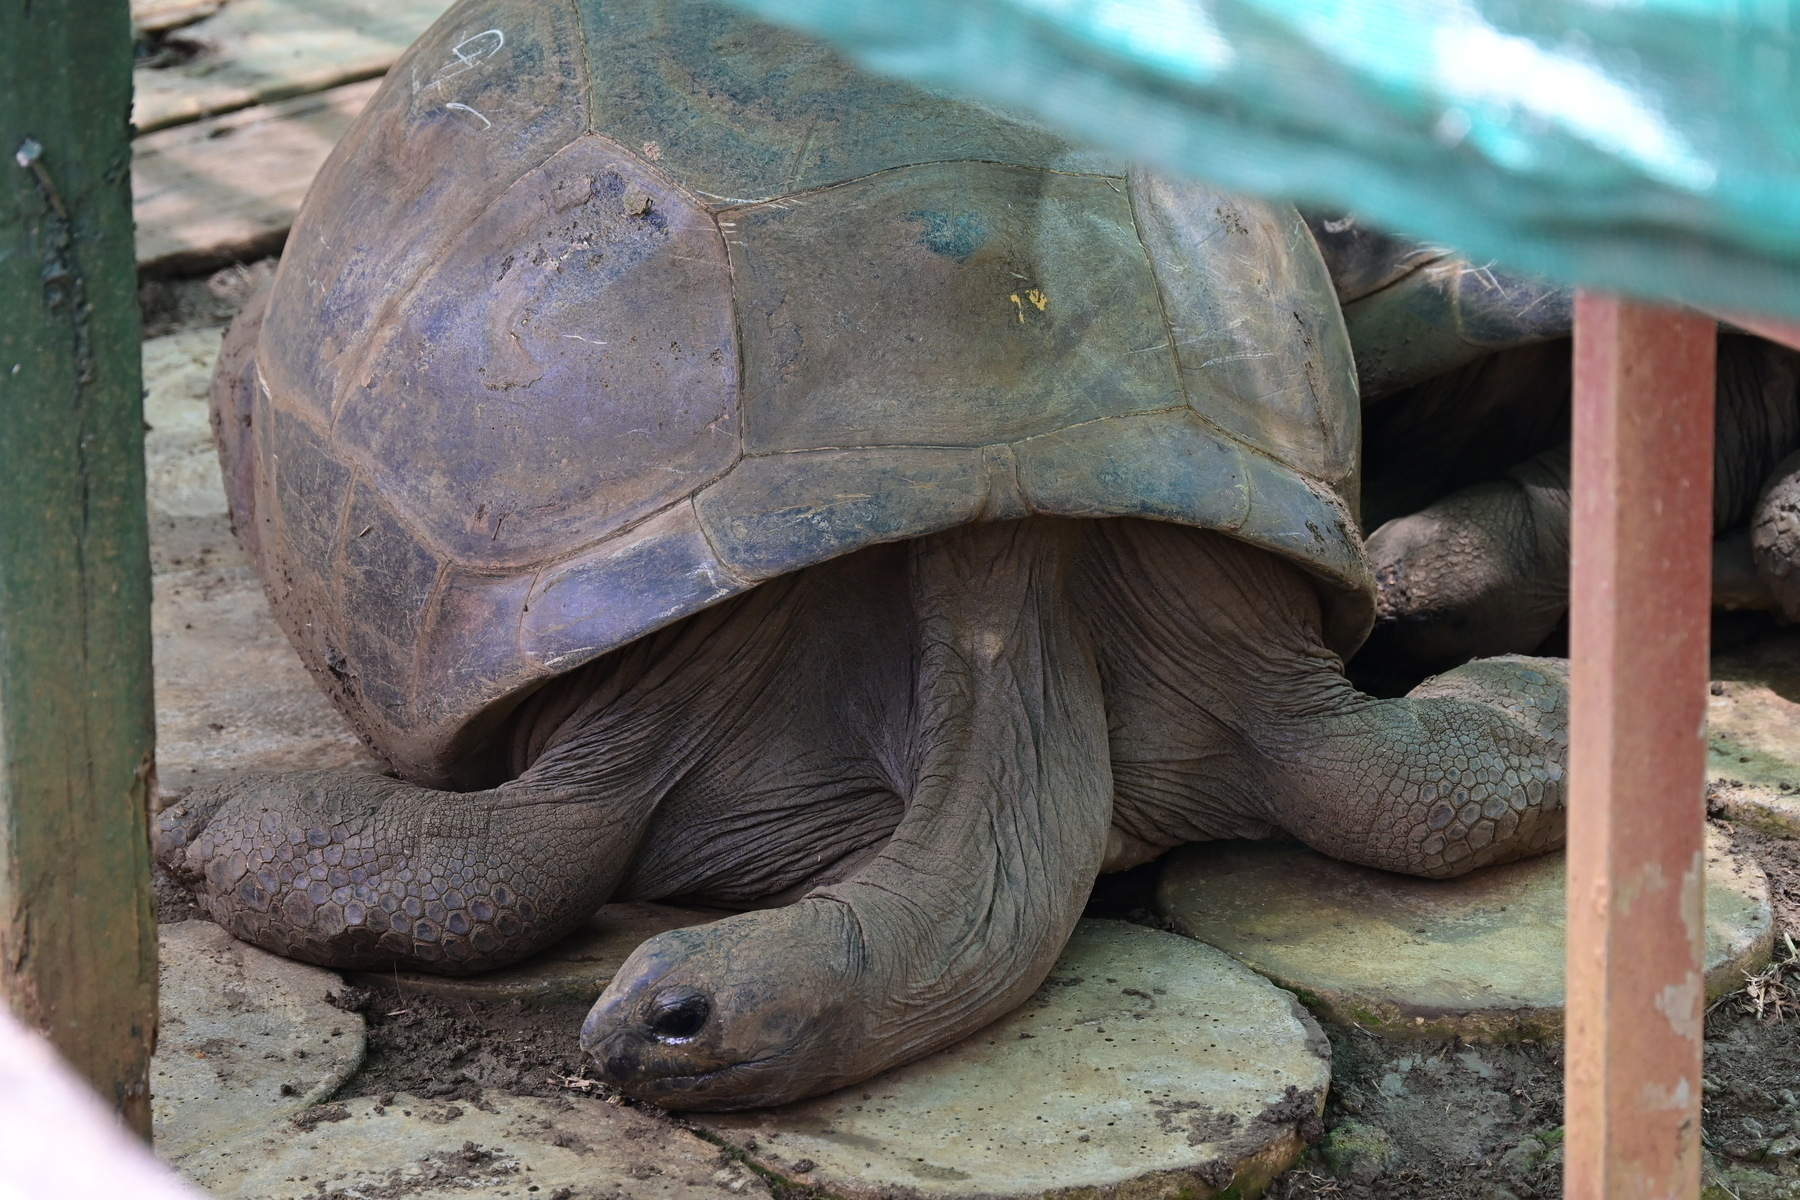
{"x":157,"y":16}
{"x":226,"y":189}
{"x":260,"y":51}
{"x":77,"y":931}
{"x":1640,"y":574}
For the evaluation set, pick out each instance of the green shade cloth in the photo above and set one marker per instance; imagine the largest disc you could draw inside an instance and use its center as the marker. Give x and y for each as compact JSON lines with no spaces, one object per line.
{"x":1647,"y":146}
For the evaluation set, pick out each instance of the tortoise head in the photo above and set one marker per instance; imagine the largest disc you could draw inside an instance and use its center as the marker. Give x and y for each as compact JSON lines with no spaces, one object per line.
{"x":760,"y":1008}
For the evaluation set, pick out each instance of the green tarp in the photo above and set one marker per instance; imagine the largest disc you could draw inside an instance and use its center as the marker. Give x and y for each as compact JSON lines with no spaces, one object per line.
{"x":1647,"y":146}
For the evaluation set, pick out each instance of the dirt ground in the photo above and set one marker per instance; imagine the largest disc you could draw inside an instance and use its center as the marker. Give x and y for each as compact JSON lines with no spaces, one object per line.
{"x":1404,"y":1119}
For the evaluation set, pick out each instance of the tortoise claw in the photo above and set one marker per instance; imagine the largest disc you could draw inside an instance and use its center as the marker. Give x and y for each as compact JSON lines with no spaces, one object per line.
{"x":174,"y":829}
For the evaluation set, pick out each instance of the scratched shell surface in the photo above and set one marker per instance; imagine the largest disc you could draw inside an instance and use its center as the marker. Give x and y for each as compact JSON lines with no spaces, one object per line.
{"x":604,"y":312}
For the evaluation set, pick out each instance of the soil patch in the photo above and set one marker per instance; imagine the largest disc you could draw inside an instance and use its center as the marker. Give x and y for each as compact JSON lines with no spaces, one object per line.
{"x":1445,"y":1120}
{"x":1458,"y":1122}
{"x":459,"y":1050}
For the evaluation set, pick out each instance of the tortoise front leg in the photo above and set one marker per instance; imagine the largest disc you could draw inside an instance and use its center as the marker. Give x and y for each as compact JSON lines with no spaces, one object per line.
{"x":1465,"y":771}
{"x":962,"y":914}
{"x":1231,"y":716}
{"x":361,"y":871}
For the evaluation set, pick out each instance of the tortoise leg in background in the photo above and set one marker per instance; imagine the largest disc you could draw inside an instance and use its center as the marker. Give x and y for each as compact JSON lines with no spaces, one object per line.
{"x":1465,"y":771}
{"x":1775,"y":537}
{"x":1485,"y":570}
{"x":964,"y":911}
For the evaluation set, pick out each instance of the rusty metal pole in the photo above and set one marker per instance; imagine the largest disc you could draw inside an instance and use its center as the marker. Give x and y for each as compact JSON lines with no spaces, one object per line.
{"x":1640,"y":604}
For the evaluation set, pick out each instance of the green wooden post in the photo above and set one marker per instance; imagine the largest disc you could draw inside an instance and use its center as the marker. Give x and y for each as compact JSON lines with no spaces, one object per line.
{"x":77,"y":927}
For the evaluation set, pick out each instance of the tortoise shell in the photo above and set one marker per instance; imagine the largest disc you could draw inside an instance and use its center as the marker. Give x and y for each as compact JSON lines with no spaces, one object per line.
{"x":607,"y":310}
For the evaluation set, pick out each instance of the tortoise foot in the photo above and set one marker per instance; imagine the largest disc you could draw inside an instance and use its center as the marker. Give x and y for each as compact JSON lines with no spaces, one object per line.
{"x":353,"y":870}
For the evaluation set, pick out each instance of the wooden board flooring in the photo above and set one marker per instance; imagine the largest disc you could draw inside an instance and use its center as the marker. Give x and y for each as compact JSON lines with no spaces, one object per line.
{"x":258,"y":51}
{"x":226,"y":189}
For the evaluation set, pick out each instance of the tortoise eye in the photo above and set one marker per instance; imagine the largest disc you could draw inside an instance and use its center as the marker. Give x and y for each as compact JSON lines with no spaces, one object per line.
{"x":677,"y":1013}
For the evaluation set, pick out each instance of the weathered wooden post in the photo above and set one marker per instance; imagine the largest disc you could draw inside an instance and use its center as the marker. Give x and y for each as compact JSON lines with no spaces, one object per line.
{"x":1638,"y":620}
{"x":77,"y":929}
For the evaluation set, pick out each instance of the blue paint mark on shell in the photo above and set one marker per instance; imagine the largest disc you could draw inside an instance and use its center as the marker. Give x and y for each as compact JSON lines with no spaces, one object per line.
{"x":955,"y":237}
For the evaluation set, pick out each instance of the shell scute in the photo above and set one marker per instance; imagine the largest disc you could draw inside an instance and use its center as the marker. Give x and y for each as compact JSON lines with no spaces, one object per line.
{"x":469,"y":666}
{"x":310,"y":483}
{"x":1165,"y":466}
{"x":482,"y":97}
{"x":960,"y":304}
{"x":387,"y":579}
{"x":595,"y":397}
{"x":737,"y":110}
{"x":1263,"y":352}
{"x":649,"y":575}
{"x":775,"y":513}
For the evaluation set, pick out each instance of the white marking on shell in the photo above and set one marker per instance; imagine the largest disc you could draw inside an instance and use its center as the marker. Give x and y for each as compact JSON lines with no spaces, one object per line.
{"x":458,"y":106}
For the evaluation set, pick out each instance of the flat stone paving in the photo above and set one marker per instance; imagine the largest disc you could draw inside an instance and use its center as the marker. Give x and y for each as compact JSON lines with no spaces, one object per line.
{"x":577,"y":968}
{"x":1147,"y":1065}
{"x":246,"y":1038}
{"x":519,"y":1146}
{"x":1476,"y":957}
{"x":231,"y":693}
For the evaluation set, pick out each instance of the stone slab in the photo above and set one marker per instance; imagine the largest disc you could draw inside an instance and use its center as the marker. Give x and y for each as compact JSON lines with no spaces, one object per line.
{"x":226,"y":189}
{"x":1146,"y":1066}
{"x":1753,"y":734}
{"x":246,"y":1038}
{"x":231,"y":693}
{"x":259,"y":51}
{"x":189,"y":525}
{"x":1476,"y":957}
{"x":523,"y":1147}
{"x":577,"y":968}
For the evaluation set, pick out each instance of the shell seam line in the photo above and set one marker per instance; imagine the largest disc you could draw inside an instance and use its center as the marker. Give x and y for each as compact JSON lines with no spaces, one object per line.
{"x":967,"y":449}
{"x":1183,"y":408}
{"x":573,"y":8}
{"x":1162,"y":301}
{"x":731,"y":203}
{"x":427,"y":623}
{"x":711,"y":548}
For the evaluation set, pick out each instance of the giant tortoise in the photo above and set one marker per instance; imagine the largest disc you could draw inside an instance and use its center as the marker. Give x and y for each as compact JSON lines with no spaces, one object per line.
{"x":705,"y":470}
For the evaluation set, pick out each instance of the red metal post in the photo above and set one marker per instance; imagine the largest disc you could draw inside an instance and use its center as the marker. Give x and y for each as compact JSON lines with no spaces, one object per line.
{"x":1641,"y":594}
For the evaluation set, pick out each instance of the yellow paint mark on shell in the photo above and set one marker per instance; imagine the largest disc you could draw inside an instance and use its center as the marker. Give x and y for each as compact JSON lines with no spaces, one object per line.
{"x":1037,"y":299}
